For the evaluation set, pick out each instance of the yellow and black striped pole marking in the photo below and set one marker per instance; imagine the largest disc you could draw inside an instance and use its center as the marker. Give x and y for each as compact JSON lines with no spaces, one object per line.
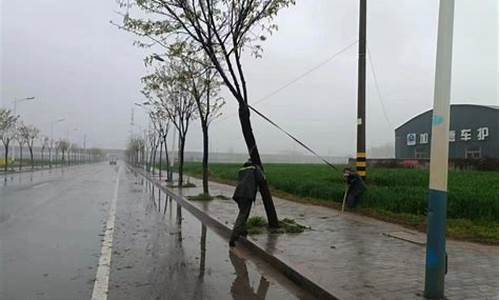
{"x":361,"y":164}
{"x":361,"y":121}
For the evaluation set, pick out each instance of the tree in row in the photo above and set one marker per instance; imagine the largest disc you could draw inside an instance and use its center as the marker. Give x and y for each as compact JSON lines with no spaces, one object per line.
{"x":13,"y":130}
{"x":218,"y":30}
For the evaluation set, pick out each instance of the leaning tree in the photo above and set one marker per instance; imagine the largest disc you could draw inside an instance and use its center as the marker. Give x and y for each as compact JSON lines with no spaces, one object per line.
{"x":222,"y":29}
{"x":7,"y":132}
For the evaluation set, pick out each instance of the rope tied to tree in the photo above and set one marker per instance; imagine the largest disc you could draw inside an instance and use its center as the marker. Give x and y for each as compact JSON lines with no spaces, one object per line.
{"x":292,"y":137}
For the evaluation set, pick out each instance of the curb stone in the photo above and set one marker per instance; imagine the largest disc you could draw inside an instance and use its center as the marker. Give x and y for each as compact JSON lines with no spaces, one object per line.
{"x":286,"y":269}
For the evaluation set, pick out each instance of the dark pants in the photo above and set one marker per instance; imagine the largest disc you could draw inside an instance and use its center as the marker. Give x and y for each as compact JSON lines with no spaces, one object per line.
{"x":353,"y":197}
{"x":240,"y":225}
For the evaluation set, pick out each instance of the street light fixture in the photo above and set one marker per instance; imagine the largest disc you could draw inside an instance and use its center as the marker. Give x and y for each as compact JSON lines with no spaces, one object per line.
{"x":21,"y":100}
{"x":157,"y":57}
{"x":145,"y":103}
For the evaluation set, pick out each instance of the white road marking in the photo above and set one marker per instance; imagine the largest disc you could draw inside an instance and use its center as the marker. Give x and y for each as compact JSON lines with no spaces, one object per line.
{"x":100,"y":291}
{"x":40,"y":185}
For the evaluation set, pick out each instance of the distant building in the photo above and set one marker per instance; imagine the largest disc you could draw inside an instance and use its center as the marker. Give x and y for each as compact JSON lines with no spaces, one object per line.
{"x":473,"y":133}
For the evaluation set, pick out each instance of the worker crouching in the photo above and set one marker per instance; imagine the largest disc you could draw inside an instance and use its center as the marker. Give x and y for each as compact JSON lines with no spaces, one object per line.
{"x":356,"y":187}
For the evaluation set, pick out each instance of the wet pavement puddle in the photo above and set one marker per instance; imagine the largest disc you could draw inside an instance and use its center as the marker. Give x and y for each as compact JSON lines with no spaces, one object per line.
{"x":161,"y":251}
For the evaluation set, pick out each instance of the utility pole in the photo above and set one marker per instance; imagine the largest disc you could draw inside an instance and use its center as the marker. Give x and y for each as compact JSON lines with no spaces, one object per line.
{"x":436,"y":258}
{"x":361,"y":122}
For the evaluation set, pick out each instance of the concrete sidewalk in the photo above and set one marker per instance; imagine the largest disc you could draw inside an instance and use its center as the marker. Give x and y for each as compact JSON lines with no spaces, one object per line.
{"x":355,"y":257}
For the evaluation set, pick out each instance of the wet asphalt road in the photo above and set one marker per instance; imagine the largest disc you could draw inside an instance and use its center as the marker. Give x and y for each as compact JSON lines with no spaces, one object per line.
{"x":52,"y":224}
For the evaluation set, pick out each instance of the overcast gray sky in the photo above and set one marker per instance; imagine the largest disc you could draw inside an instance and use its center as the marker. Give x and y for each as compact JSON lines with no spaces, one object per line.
{"x":83,"y":69}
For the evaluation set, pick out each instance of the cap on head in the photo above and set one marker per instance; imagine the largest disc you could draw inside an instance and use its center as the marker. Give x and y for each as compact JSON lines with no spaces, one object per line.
{"x":249,"y":162}
{"x":347,"y":171}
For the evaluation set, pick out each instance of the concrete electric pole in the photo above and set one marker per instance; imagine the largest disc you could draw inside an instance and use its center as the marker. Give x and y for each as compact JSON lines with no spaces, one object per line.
{"x":361,"y":122}
{"x":436,"y":259}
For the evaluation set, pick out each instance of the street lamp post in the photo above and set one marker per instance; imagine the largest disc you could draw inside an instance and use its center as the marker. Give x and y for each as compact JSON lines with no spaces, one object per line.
{"x":52,"y":139}
{"x":435,"y":263}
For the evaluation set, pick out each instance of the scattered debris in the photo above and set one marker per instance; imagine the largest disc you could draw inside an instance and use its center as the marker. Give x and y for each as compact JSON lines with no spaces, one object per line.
{"x":290,"y":226}
{"x":222,"y":197}
{"x":201,"y":197}
{"x":257,"y":225}
{"x":185,"y":185}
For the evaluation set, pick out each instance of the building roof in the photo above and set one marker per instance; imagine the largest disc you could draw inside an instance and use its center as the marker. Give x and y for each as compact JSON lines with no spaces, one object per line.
{"x":494,"y":107}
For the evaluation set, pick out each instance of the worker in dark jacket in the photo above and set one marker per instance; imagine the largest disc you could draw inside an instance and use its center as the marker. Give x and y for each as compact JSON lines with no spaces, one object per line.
{"x":356,"y":187}
{"x":250,"y":176}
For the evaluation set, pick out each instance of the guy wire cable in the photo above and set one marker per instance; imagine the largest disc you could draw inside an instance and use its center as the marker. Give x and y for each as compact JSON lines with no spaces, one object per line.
{"x":292,"y":137}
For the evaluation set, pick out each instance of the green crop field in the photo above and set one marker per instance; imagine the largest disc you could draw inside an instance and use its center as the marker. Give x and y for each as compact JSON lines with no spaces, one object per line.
{"x":398,"y":195}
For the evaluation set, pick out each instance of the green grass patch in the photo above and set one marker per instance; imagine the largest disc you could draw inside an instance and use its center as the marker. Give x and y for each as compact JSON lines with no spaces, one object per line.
{"x":396,"y":195}
{"x":201,"y":197}
{"x":256,"y":225}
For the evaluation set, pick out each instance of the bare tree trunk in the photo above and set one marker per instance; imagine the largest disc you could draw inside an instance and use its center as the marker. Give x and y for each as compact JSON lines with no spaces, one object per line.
{"x":159,"y":169}
{"x":151,"y":162}
{"x":43,"y":149}
{"x":31,"y":157}
{"x":20,"y":157}
{"x":150,"y":158}
{"x":154,"y":158}
{"x":181,"y":160}
{"x":6,"y":156}
{"x":246,"y":127}
{"x":167,"y":160}
{"x":205,"y":158}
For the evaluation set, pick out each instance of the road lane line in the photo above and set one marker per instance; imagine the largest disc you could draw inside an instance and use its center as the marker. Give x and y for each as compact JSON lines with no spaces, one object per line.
{"x":39,"y":185}
{"x":100,"y":291}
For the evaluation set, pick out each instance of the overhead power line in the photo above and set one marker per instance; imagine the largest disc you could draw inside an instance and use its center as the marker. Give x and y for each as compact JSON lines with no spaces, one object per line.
{"x":379,"y":94}
{"x":305,"y":73}
{"x":292,"y":137}
{"x":294,"y":80}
